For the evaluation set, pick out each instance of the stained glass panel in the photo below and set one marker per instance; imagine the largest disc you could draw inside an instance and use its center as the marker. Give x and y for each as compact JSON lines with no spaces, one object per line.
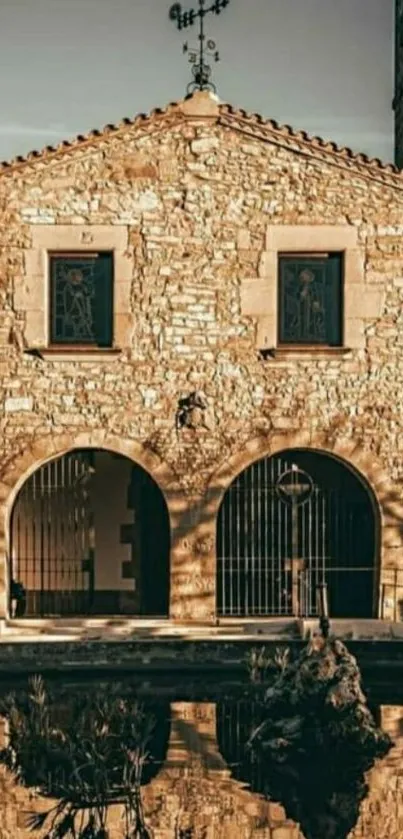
{"x":81,"y":299}
{"x":310,"y":300}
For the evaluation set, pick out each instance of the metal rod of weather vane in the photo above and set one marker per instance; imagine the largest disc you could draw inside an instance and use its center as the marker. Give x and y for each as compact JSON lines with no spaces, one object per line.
{"x":201,"y":35}
{"x":322,"y":605}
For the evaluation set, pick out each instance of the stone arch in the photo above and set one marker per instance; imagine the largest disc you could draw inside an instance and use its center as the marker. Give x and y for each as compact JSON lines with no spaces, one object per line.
{"x":368,"y":469}
{"x":21,"y":468}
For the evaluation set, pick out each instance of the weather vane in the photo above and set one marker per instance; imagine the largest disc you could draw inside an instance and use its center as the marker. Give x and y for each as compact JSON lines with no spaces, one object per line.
{"x":201,"y":71}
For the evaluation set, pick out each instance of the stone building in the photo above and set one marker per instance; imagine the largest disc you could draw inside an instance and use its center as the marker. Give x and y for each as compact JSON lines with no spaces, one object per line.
{"x":201,"y":367}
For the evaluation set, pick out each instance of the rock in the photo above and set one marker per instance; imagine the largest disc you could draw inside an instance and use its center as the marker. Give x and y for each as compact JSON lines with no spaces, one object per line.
{"x":317,"y":739}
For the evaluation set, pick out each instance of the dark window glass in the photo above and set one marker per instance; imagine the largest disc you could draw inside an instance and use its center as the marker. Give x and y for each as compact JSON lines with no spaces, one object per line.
{"x":310,"y":299}
{"x":81,"y":299}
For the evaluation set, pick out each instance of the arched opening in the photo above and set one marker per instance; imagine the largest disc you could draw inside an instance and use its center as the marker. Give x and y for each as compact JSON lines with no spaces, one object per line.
{"x":289,"y":523}
{"x":89,"y":535}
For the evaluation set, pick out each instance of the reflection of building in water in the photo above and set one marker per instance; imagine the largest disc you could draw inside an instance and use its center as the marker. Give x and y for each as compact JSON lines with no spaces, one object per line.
{"x":198,"y":791}
{"x":381,"y":814}
{"x":194,"y":796}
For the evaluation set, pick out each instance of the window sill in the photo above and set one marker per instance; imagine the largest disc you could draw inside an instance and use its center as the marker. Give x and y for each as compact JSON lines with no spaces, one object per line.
{"x":305,"y":353}
{"x":81,"y":354}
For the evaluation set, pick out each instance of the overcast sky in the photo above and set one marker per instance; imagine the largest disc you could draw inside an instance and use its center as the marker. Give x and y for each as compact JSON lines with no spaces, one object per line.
{"x":67,"y":66}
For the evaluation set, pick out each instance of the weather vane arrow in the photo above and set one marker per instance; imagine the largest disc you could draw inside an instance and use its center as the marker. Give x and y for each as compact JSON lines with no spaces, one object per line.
{"x":201,"y":71}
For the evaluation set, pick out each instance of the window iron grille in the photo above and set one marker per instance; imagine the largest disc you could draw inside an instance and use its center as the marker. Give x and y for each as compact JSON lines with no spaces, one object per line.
{"x":310,"y":290}
{"x":81,"y":291}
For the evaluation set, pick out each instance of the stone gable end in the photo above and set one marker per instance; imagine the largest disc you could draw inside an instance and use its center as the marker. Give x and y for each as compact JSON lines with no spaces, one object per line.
{"x":193,"y":203}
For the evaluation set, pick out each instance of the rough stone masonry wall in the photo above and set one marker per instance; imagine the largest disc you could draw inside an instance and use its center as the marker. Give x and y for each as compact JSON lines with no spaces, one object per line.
{"x":194,"y":195}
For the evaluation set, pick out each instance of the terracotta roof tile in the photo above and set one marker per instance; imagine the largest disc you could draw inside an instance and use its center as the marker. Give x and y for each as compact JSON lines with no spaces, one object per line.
{"x":313,"y":142}
{"x":273,"y":130}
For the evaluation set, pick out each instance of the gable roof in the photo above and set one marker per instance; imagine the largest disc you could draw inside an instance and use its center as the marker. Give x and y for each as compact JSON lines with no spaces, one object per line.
{"x":205,"y":105}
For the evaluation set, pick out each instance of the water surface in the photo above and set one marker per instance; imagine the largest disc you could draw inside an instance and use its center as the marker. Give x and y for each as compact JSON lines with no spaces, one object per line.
{"x":200,"y":780}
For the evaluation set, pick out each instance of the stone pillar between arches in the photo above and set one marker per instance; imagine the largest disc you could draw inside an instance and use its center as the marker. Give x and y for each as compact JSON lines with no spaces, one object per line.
{"x":192,"y":577}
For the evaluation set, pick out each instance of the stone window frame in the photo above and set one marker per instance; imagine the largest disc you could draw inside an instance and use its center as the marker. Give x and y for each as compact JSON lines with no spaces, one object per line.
{"x":360,"y":301}
{"x":32,"y":293}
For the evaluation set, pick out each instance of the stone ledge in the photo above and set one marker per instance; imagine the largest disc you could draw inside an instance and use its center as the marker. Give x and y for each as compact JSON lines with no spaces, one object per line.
{"x":305,"y":353}
{"x":75,"y":354}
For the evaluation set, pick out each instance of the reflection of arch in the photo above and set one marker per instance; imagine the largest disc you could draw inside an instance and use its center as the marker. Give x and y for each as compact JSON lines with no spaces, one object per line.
{"x":235,"y":723}
{"x":278,"y":538}
{"x":157,"y":747}
{"x":192,"y":794}
{"x":89,"y":534}
{"x":126,"y":738}
{"x":154,"y":717}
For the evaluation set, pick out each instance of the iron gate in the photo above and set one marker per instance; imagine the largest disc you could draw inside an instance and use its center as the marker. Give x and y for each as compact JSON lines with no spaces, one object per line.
{"x":287,"y":524}
{"x":52,"y":538}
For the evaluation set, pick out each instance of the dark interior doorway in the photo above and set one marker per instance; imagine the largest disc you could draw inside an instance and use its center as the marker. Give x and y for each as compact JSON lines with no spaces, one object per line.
{"x":90,"y":535}
{"x":289,"y":523}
